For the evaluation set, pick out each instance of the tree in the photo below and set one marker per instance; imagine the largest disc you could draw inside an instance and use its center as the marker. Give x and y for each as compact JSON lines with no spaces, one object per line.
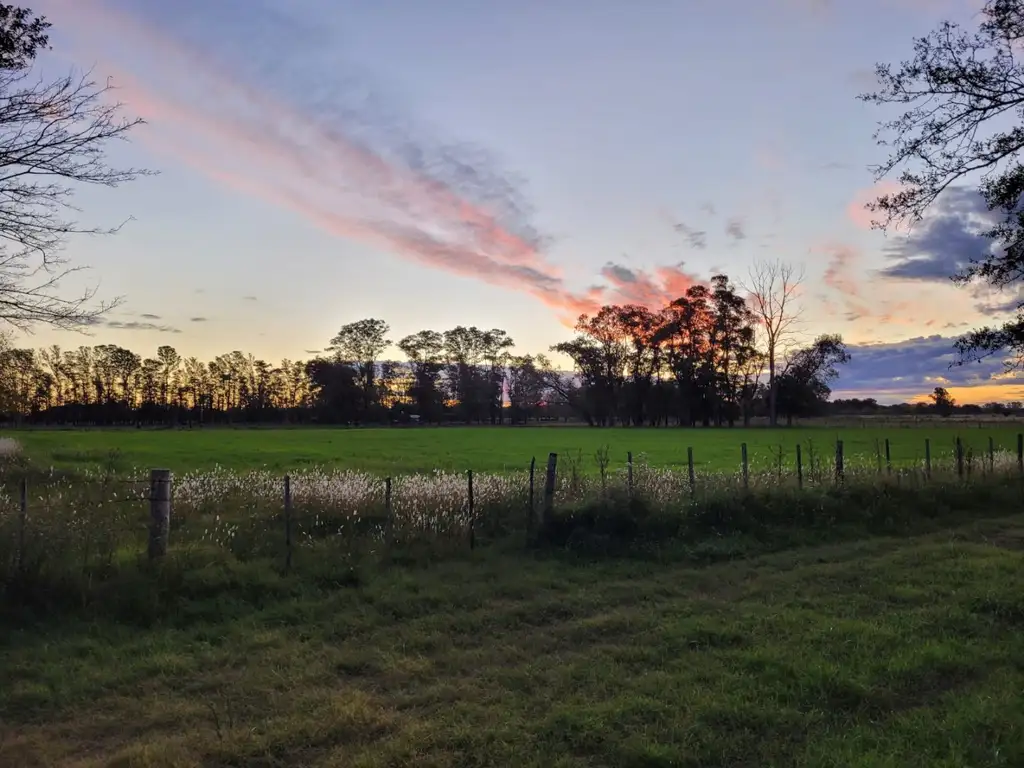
{"x":52,"y":140}
{"x":804,"y":383}
{"x":773,"y":286}
{"x":963,"y":96}
{"x":942,"y":401}
{"x":361,"y":344}
{"x":425,"y":351}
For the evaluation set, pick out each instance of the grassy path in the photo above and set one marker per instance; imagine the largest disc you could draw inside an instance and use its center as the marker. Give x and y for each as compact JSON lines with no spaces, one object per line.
{"x":878,"y":653}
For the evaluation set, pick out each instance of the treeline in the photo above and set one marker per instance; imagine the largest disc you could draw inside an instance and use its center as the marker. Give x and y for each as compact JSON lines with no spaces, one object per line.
{"x":696,"y":361}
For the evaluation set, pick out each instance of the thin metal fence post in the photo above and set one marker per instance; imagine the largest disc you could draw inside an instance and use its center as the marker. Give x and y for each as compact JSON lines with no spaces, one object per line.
{"x":629,"y":472}
{"x":472,"y":513}
{"x":22,"y":520}
{"x":692,"y":474}
{"x":389,"y":512}
{"x":287,"y":522}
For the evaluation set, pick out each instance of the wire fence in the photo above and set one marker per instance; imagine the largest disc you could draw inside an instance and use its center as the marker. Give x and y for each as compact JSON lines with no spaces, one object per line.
{"x":94,"y":525}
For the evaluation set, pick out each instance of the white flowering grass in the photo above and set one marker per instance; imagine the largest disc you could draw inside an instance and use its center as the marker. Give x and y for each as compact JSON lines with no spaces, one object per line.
{"x":98,"y":520}
{"x":9,"y":447}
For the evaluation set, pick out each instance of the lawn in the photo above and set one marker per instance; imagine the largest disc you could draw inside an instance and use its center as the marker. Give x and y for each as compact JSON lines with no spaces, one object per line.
{"x":884,"y":652}
{"x":483,"y":449}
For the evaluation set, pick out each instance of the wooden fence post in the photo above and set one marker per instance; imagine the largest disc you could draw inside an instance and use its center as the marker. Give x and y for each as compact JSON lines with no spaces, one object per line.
{"x":799,"y":468}
{"x":840,"y":470}
{"x":22,"y":520}
{"x":159,"y":511}
{"x":746,"y":466}
{"x":287,"y":522}
{"x":959,"y":458}
{"x":1020,"y":453}
{"x":549,"y":489}
{"x":689,"y":467}
{"x":991,"y":454}
{"x":927,"y":459}
{"x":888,"y":458}
{"x":629,"y":472}
{"x":472,"y":513}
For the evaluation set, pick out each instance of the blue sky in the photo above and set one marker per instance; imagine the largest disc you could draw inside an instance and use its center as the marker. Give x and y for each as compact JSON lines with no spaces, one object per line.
{"x":501,"y":164}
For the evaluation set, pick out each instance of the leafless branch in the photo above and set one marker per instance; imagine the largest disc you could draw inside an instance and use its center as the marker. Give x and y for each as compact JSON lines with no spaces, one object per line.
{"x":53,"y":137}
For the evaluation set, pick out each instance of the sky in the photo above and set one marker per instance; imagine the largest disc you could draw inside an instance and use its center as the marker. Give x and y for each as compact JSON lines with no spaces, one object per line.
{"x":509,"y":164}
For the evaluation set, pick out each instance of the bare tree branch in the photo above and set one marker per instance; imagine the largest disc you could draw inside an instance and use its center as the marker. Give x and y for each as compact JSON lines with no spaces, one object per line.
{"x":53,"y":138}
{"x":773,"y":287}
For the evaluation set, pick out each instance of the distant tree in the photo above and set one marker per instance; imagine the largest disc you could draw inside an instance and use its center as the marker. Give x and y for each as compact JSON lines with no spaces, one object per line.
{"x":495,"y":346}
{"x":52,"y":139}
{"x":804,"y":383}
{"x":425,"y":351}
{"x":942,"y":401}
{"x":773,"y":287}
{"x":361,"y":344}
{"x":964,"y":98}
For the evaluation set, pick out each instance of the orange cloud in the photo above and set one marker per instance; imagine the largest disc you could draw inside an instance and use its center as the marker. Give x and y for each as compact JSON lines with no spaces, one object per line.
{"x":246,"y":139}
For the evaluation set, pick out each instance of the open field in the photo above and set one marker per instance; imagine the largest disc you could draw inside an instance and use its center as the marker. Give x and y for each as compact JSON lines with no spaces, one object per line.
{"x":887,"y":652}
{"x":482,"y":449}
{"x":646,"y":618}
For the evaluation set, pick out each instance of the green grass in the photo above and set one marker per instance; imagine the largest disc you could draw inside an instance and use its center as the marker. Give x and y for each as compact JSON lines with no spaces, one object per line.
{"x":483,"y":449}
{"x":884,"y":652}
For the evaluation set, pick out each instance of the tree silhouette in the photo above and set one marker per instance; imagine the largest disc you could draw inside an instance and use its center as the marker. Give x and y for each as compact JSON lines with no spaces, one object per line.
{"x":773,"y":287}
{"x":52,"y":139}
{"x":694,"y":361}
{"x":943,"y":401}
{"x":963,"y":94}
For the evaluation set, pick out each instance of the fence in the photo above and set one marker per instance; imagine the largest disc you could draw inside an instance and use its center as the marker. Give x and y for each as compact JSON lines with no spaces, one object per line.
{"x":101,"y":525}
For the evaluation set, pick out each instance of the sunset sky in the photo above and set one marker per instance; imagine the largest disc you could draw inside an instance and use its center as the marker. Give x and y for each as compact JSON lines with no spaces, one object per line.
{"x":509,"y":164}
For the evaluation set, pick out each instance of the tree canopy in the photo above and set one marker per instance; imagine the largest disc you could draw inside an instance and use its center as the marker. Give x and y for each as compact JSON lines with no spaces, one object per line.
{"x":962,"y":96}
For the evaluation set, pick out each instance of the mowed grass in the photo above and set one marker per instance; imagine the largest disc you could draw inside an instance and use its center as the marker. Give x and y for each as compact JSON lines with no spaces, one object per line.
{"x":387,"y":451}
{"x":886,"y":652}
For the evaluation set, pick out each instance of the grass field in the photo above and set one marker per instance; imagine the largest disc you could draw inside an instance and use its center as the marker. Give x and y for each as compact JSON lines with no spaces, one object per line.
{"x":886,"y":652}
{"x":873,"y":621}
{"x":482,"y":449}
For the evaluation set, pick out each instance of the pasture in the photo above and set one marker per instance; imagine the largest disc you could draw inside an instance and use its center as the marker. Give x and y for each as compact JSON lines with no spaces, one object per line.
{"x":401,"y":450}
{"x":647,"y":619}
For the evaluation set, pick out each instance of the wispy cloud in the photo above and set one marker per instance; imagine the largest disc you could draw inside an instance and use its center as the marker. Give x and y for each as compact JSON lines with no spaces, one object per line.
{"x":695,"y":238}
{"x":135,"y":325}
{"x":735,"y":229}
{"x":198,"y":319}
{"x":148,"y":316}
{"x":249,"y":298}
{"x":840,"y":276}
{"x":446,"y":206}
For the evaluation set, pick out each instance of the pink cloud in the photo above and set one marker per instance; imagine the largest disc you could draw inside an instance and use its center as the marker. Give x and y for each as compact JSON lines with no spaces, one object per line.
{"x":856,"y":209}
{"x":247,"y":140}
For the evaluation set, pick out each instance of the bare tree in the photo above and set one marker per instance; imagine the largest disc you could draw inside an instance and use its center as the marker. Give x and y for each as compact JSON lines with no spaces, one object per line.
{"x":773,"y":287}
{"x":52,"y":140}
